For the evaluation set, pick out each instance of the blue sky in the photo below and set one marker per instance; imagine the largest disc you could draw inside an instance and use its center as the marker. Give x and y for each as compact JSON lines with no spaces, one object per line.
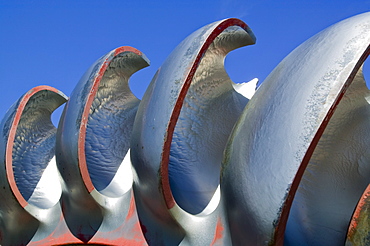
{"x":54,"y":42}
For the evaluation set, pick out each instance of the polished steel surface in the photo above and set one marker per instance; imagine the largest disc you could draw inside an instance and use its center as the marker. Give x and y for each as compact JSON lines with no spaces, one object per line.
{"x":179,"y":134}
{"x":274,"y":161}
{"x":92,"y":148}
{"x":29,"y":208}
{"x":359,"y":228}
{"x":199,"y":160}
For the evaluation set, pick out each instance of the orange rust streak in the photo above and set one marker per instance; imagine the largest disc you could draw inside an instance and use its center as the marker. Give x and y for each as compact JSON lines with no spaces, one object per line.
{"x":365,"y":198}
{"x":129,"y":233}
{"x":219,"y":232}
{"x":61,"y":235}
{"x":132,"y":209}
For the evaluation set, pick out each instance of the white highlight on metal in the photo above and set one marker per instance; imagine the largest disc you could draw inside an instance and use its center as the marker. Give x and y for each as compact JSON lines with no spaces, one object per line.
{"x":48,"y":190}
{"x":212,"y":205}
{"x":277,"y":132}
{"x":337,"y":174}
{"x":122,"y":181}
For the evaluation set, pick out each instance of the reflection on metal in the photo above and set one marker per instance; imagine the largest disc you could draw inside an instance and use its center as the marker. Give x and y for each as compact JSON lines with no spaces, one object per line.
{"x":293,"y":157}
{"x":187,"y":113}
{"x":299,"y":153}
{"x":30,"y":191}
{"x":92,"y":151}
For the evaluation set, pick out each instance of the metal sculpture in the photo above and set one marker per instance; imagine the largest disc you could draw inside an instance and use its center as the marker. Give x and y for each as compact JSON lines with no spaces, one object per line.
{"x":293,"y":160}
{"x":299,"y":149}
{"x":30,"y":190}
{"x":93,"y":151}
{"x":180,"y":115}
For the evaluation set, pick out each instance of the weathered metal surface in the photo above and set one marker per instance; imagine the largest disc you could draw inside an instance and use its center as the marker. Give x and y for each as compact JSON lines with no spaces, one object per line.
{"x":359,"y":229}
{"x":295,"y":158}
{"x":289,"y":151}
{"x":30,"y":189}
{"x":180,"y":131}
{"x":93,"y":151}
{"x":336,"y":174}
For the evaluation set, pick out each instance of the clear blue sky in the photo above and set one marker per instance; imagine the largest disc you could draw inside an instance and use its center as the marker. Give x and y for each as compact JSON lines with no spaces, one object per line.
{"x":54,"y":42}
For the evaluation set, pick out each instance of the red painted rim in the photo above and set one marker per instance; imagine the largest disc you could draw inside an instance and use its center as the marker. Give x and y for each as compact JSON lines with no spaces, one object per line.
{"x":85,"y":115}
{"x":11,"y":136}
{"x":282,"y":221}
{"x":365,"y":198}
{"x":165,"y":183}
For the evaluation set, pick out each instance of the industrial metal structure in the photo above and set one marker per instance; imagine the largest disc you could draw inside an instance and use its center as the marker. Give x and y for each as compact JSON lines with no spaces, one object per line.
{"x":199,"y":160}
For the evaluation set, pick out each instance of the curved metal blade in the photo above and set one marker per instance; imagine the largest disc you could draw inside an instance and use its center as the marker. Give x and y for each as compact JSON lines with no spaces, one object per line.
{"x":93,"y":148}
{"x":27,"y":147}
{"x":180,"y":131}
{"x":336,"y":174}
{"x":278,"y":132}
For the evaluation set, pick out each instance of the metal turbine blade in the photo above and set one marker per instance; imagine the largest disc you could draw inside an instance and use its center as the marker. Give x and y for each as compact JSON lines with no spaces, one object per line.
{"x":29,"y":209}
{"x":93,"y":151}
{"x":271,"y":159}
{"x":180,"y":131}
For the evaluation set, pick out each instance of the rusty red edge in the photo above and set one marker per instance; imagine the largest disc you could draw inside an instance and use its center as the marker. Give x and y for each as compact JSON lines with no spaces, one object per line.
{"x":85,"y":116}
{"x":365,"y":198}
{"x":10,"y":143}
{"x":282,"y":220}
{"x":165,"y":183}
{"x":67,"y":238}
{"x":219,"y":231}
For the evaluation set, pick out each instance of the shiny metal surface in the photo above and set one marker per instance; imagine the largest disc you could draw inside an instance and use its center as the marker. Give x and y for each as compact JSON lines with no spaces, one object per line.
{"x":180,"y":131}
{"x":336,"y":174}
{"x":293,"y":155}
{"x":93,"y":150}
{"x":274,"y":162}
{"x":29,"y":208}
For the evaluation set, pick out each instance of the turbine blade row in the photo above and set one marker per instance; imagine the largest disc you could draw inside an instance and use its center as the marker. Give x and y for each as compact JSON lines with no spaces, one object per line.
{"x":199,"y":160}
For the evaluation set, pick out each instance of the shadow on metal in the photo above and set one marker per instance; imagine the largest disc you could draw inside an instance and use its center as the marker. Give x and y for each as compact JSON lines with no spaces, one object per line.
{"x":299,"y":148}
{"x":30,"y":193}
{"x":180,"y":131}
{"x":200,"y":160}
{"x":93,"y":148}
